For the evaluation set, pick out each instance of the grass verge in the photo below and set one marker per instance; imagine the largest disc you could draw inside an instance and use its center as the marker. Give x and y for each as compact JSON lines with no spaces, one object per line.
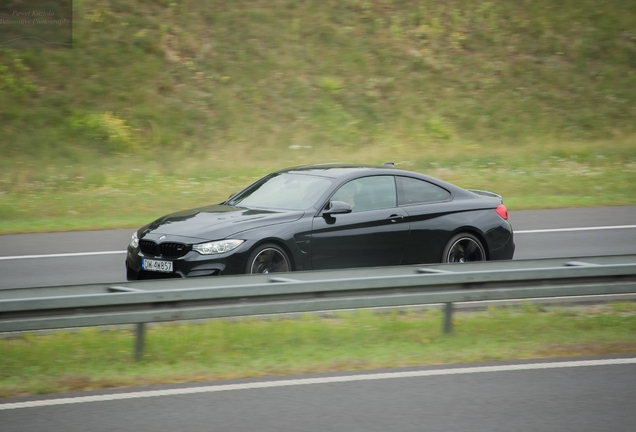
{"x":129,"y":191}
{"x":95,"y":358}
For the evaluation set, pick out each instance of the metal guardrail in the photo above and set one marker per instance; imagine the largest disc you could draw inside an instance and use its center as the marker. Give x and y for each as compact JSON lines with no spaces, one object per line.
{"x":144,"y":302}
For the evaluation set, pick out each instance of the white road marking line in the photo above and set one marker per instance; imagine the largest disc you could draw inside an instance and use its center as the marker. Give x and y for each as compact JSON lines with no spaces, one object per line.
{"x":574,"y":229}
{"x":311,"y":381}
{"x":61,"y":255}
{"x":537,"y":231}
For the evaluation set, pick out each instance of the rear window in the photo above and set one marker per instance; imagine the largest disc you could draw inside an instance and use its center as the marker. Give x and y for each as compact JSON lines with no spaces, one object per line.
{"x":415,"y":191}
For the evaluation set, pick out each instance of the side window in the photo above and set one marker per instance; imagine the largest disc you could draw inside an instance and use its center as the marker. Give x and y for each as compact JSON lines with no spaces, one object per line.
{"x":414,"y":191}
{"x":368,"y":193}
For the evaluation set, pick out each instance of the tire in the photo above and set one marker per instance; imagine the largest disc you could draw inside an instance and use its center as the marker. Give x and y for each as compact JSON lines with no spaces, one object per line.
{"x":268,"y":258}
{"x":463,"y":247}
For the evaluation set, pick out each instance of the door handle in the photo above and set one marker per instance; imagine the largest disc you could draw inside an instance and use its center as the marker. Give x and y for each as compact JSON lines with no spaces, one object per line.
{"x":395,"y":217}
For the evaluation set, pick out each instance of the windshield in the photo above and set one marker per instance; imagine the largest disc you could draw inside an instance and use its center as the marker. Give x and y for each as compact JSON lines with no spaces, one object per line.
{"x":283,"y":192}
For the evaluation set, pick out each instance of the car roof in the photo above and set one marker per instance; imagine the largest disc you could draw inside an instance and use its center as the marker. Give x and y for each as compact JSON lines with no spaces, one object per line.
{"x":345,"y":171}
{"x":334,"y":170}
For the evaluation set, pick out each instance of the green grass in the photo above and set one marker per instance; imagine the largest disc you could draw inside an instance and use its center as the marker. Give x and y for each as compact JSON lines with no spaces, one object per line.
{"x":227,"y":349}
{"x":164,"y":104}
{"x":129,"y":192}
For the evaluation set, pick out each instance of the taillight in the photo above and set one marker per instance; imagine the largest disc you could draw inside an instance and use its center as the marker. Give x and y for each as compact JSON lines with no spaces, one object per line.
{"x":502,"y":211}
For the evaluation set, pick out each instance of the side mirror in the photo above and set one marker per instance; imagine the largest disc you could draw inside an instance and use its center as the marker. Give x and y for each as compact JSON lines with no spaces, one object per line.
{"x":337,"y":207}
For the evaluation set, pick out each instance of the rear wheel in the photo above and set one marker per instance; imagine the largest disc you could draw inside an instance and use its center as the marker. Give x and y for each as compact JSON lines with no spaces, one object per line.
{"x":268,"y":258}
{"x":462,"y":248}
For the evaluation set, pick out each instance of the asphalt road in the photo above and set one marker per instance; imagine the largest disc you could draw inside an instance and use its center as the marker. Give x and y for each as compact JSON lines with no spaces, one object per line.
{"x":98,"y":256}
{"x":558,"y":396}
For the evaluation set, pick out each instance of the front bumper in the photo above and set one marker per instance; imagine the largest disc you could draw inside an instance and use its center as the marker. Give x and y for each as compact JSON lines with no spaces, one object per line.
{"x":192,"y":264}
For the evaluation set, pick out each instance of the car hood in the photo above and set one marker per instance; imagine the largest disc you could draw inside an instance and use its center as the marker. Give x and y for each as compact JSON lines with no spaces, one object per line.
{"x":217,"y":221}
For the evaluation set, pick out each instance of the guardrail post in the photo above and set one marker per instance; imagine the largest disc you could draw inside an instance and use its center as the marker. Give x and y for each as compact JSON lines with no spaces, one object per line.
{"x":448,"y":318}
{"x":139,"y":341}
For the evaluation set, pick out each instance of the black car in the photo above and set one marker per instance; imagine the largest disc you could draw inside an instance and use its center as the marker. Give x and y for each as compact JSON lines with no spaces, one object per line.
{"x":326,"y":217}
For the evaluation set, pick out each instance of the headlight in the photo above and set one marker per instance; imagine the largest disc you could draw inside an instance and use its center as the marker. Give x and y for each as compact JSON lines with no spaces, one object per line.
{"x":216,"y":247}
{"x":134,"y":241}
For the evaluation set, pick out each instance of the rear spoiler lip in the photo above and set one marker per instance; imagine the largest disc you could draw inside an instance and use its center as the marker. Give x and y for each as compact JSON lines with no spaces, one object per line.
{"x":486,"y":193}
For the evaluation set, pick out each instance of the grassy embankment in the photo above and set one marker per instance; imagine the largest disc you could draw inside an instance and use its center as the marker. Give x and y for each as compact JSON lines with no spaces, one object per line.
{"x":168,"y":104}
{"x":224,"y":349}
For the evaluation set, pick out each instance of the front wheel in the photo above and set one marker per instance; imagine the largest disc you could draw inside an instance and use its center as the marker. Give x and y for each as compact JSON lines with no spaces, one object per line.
{"x":268,"y":258}
{"x":463,"y":248}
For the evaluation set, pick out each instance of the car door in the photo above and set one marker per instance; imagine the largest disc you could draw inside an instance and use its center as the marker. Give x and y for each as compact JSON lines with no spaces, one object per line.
{"x":375,"y":233}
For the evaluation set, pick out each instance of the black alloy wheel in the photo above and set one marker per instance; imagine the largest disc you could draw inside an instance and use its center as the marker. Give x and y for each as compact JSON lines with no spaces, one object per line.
{"x":268,"y":258}
{"x":463,"y":248}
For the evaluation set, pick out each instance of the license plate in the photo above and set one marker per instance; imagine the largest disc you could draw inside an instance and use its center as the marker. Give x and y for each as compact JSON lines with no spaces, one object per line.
{"x":158,"y":266}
